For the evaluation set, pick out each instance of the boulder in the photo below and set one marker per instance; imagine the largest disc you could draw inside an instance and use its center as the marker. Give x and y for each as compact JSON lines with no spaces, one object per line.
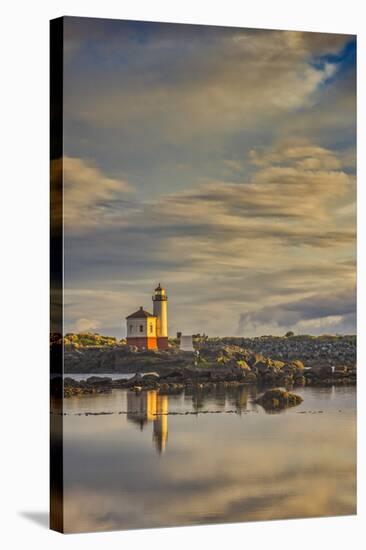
{"x":173,"y":374}
{"x":299,"y":365}
{"x":277,"y":364}
{"x":269,"y":378}
{"x":261,"y":366}
{"x":278,"y":399}
{"x":153,"y":376}
{"x":250,"y":377}
{"x":70,"y":382}
{"x":243,"y":365}
{"x":99,"y":380}
{"x":253,"y":359}
{"x":285,"y":382}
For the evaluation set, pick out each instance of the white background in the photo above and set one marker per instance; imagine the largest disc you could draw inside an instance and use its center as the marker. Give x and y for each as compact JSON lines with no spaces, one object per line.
{"x":24,"y":270}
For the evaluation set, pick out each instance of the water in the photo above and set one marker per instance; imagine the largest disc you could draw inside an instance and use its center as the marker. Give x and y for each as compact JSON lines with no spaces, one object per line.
{"x":225,"y":461}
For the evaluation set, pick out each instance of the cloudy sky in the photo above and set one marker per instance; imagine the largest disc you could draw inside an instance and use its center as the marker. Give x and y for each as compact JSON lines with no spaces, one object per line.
{"x":220,"y":162}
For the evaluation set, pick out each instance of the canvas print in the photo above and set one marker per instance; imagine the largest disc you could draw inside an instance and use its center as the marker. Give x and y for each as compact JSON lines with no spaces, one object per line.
{"x":203,"y":274}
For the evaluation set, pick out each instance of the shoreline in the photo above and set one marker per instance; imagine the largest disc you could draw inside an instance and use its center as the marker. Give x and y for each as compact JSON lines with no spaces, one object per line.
{"x":100,"y":384}
{"x":269,"y":362}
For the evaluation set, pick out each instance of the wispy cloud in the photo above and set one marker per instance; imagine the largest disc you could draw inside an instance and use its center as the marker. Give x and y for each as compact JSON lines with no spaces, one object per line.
{"x":185,"y":82}
{"x":335,"y":311}
{"x":89,"y":195}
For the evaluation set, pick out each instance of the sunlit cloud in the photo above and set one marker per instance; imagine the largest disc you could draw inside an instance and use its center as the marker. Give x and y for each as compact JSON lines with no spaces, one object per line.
{"x":89,"y":194}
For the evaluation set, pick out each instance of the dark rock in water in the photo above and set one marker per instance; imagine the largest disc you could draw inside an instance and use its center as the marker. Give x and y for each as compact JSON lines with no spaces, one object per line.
{"x":300,"y":380}
{"x":99,"y":380}
{"x":269,"y":378}
{"x":261,"y":366}
{"x":278,"y":399}
{"x":285,"y":380}
{"x":151,"y":376}
{"x":69,"y":381}
{"x":324,"y":372}
{"x":251,"y":378}
{"x":173,"y":374}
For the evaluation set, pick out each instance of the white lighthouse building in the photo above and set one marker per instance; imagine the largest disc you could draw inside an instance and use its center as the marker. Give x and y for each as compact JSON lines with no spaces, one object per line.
{"x":160,"y":300}
{"x":150,"y":330}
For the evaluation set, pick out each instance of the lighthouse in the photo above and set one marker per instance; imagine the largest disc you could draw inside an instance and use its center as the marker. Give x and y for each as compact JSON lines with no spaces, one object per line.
{"x":150,"y":330}
{"x":160,"y":300}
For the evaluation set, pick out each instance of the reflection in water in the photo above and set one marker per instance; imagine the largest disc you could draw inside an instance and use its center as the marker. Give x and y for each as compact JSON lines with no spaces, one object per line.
{"x":218,"y":467}
{"x":238,"y":398}
{"x":150,"y":406}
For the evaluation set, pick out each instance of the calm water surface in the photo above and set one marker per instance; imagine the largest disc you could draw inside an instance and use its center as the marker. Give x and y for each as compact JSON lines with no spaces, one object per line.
{"x":206,"y":458}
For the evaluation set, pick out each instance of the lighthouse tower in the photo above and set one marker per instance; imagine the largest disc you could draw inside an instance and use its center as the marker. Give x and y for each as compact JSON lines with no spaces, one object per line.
{"x":160,"y":311}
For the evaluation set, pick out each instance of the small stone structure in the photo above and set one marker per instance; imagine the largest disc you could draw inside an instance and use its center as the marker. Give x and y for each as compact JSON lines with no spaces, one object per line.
{"x":186,"y":343}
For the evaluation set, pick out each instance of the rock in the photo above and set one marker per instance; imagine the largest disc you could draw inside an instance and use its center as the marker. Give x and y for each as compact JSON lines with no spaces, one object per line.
{"x":99,"y":380}
{"x":250,"y":377}
{"x":261,"y":363}
{"x":150,"y":376}
{"x":269,"y":378}
{"x":299,"y":365}
{"x":285,"y":380}
{"x":69,"y":381}
{"x":243,"y":365}
{"x":173,"y":375}
{"x":278,"y":399}
{"x":270,"y":360}
{"x":277,"y":364}
{"x":300,"y":380}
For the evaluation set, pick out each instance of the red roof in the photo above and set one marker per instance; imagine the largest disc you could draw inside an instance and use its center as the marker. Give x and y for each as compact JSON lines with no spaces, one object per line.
{"x":140,"y":314}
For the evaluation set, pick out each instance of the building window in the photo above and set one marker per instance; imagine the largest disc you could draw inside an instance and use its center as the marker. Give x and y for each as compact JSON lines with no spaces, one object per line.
{"x":151,"y":328}
{"x":131,"y":328}
{"x":141,"y":328}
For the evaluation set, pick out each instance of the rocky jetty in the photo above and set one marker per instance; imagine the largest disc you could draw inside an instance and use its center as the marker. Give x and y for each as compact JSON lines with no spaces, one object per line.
{"x":278,"y":399}
{"x":313,"y":351}
{"x":266,"y":361}
{"x":218,"y":363}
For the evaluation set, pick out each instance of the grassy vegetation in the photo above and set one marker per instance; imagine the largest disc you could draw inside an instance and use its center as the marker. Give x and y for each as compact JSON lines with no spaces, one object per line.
{"x":88,"y":339}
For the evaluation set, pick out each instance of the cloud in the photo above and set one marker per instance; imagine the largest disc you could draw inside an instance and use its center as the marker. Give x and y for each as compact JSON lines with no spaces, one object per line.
{"x":86,"y":325}
{"x":187,"y":82}
{"x":291,"y":198}
{"x":167,"y":105}
{"x":319,"y":312}
{"x":89,"y":194}
{"x":287,"y":232}
{"x":223,"y":165}
{"x":299,"y":152}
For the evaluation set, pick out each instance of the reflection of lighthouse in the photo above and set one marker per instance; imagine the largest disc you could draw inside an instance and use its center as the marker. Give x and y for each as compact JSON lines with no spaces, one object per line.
{"x":160,"y":429}
{"x":146,"y":407}
{"x":160,"y":311}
